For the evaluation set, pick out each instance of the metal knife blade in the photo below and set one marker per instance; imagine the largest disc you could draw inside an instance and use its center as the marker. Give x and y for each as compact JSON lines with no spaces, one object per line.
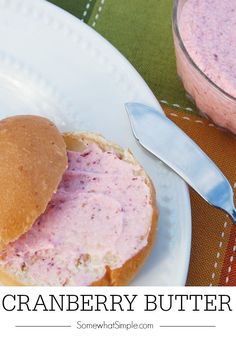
{"x":160,"y":136}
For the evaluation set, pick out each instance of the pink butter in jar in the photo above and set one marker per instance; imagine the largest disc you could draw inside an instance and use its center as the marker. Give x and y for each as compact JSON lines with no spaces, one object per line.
{"x":205,"y":45}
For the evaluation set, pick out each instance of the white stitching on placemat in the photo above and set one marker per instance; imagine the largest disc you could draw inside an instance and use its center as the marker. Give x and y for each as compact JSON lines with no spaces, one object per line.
{"x":198,"y":121}
{"x":231,"y":259}
{"x":85,"y":12}
{"x":175,"y":105}
{"x":100,"y":7}
{"x":218,"y":253}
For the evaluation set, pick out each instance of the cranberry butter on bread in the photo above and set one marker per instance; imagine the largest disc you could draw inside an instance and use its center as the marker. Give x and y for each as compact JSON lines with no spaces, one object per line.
{"x":75,"y":209}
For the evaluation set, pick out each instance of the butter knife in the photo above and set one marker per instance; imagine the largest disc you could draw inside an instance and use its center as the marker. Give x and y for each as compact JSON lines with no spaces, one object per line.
{"x":160,"y":136}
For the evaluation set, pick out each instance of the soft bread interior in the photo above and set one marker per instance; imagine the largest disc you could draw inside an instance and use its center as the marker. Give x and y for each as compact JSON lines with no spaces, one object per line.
{"x":123,"y":275}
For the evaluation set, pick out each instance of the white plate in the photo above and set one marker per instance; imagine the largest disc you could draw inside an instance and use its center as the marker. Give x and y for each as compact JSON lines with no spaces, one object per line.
{"x":54,"y":65}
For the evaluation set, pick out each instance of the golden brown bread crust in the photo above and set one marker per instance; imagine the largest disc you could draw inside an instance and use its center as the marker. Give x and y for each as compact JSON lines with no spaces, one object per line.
{"x":123,"y":275}
{"x":9,"y":280}
{"x":33,"y":160}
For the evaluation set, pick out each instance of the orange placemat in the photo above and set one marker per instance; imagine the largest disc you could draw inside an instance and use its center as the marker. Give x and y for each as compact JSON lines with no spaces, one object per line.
{"x":213,"y":257}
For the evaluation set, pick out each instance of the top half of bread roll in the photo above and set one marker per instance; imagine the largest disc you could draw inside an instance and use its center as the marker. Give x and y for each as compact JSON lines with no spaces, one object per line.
{"x":33,"y":159}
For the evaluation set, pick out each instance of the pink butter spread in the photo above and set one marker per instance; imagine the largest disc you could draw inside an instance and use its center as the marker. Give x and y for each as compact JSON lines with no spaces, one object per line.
{"x":100,"y":216}
{"x":208,"y":30}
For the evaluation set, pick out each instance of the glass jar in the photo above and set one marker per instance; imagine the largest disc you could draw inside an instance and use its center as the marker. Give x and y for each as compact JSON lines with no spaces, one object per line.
{"x":210,"y":99}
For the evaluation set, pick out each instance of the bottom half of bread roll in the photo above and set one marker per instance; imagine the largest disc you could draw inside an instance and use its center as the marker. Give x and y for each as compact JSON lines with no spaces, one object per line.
{"x":99,"y":227}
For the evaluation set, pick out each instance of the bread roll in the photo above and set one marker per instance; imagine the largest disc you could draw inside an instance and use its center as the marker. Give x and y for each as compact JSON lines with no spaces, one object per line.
{"x":109,"y":275}
{"x":33,"y":159}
